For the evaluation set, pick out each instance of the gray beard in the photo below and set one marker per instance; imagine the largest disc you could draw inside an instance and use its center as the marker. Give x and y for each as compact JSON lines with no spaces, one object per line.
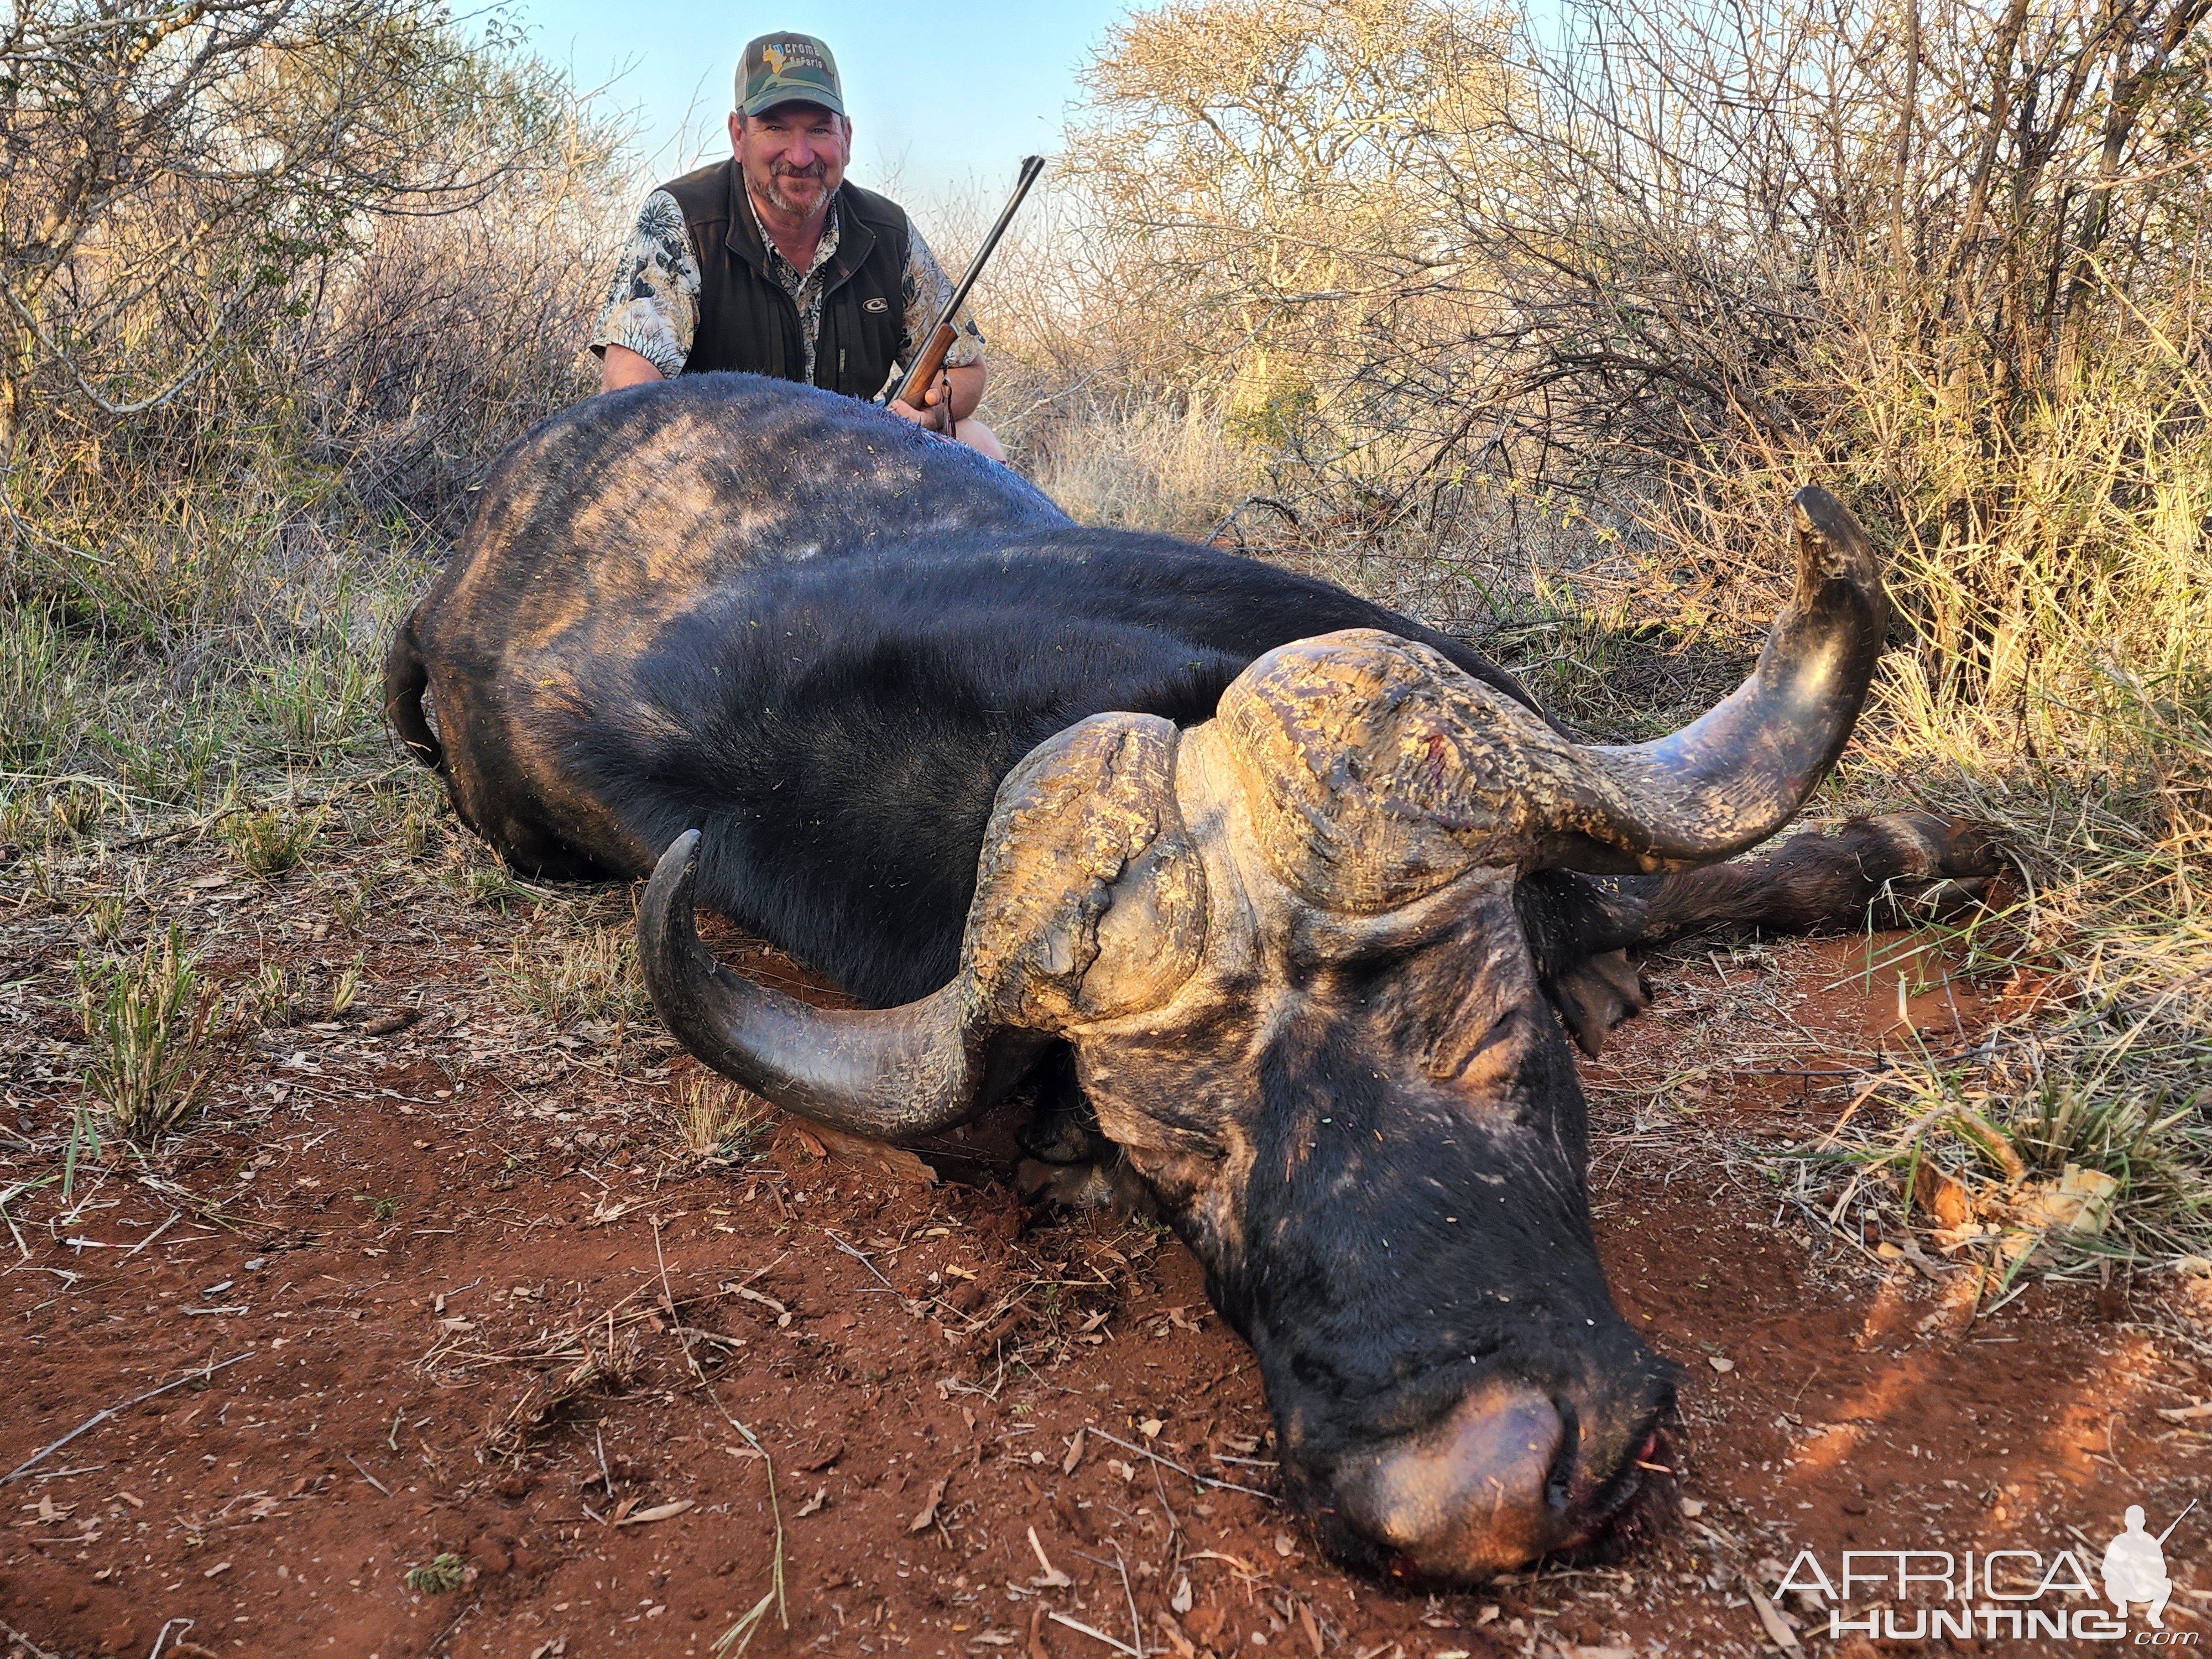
{"x":778,"y":200}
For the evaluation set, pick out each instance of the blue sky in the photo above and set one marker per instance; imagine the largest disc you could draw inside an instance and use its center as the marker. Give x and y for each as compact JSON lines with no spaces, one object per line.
{"x":944,"y":99}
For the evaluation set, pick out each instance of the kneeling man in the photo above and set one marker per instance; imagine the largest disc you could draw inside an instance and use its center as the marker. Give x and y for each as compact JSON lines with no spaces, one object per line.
{"x":771,"y":261}
{"x":2134,"y":1570}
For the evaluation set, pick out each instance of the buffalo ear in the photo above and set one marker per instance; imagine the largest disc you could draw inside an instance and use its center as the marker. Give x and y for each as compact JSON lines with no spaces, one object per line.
{"x":1595,"y":994}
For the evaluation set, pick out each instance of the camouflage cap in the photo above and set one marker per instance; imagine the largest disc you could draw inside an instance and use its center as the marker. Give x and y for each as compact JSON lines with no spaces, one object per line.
{"x":788,"y":69}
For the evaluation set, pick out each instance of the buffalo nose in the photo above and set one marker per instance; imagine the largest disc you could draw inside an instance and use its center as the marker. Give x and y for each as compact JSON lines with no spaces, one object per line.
{"x":1469,"y":1496}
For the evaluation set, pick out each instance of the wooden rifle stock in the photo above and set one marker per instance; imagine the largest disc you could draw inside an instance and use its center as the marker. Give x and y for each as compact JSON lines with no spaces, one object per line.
{"x":928,"y":365}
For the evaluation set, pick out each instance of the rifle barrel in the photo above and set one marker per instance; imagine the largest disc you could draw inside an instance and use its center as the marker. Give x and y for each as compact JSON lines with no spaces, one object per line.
{"x":2178,"y":1520}
{"x":1032,"y":166}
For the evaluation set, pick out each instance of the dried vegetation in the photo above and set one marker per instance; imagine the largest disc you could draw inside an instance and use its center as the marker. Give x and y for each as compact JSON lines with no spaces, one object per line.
{"x":1528,"y":330}
{"x":1527,"y":334}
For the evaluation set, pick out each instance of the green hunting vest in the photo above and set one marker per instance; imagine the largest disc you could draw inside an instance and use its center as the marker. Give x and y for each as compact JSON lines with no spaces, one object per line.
{"x":746,"y":319}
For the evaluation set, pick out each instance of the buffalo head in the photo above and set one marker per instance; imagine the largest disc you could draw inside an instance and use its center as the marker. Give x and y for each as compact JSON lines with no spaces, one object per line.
{"x":1284,"y":948}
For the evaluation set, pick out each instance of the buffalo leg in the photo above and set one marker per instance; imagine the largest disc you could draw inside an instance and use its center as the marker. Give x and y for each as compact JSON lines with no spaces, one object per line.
{"x":1897,"y":871}
{"x":1901,"y":869}
{"x":1067,"y":1162}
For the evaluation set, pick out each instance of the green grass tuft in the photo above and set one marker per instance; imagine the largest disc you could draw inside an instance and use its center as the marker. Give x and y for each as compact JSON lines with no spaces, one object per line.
{"x":270,"y":842}
{"x":447,"y":1573}
{"x":150,"y":1026}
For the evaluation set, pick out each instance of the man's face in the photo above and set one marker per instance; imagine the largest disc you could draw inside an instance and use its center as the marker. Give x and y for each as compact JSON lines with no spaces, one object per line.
{"x":793,"y":156}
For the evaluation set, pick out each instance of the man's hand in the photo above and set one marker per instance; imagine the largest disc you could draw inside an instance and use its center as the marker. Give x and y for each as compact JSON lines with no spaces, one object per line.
{"x":622,"y":366}
{"x":932,"y":417}
{"x":963,"y":385}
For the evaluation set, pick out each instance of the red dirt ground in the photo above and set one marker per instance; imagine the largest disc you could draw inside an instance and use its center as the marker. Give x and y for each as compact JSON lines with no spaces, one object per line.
{"x":406,"y":1242}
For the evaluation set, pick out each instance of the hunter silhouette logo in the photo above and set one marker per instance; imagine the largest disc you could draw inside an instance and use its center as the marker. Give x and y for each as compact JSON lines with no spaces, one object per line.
{"x":2135,"y":1567}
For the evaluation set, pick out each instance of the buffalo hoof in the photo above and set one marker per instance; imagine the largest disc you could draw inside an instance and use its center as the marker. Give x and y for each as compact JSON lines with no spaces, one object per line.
{"x":1107,"y":1185}
{"x":1595,"y":994}
{"x":1936,"y":868}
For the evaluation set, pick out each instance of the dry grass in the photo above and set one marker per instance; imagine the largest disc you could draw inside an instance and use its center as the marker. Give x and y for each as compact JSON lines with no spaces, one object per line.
{"x":105,"y":918}
{"x":2053,"y":686}
{"x":345,"y":987}
{"x":719,"y":1122}
{"x":1143,"y":465}
{"x":269,"y":843}
{"x":542,"y":1405}
{"x":1571,"y":440}
{"x":566,"y":979}
{"x":269,"y":999}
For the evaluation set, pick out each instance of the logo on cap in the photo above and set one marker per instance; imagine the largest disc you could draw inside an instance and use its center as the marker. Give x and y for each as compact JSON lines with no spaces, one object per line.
{"x":788,"y":69}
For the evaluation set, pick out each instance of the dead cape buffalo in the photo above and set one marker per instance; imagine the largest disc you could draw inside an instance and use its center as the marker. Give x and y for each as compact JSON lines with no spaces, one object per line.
{"x":1296,"y":882}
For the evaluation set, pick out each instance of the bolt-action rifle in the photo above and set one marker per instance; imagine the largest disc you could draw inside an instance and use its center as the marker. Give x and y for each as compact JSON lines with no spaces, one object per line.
{"x":929,"y":363}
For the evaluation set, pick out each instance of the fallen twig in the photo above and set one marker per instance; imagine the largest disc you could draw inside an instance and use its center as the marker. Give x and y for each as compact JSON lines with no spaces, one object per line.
{"x":150,"y":1237}
{"x":1112,"y":1642}
{"x":860,"y":1256}
{"x":210,"y":1211}
{"x":452,"y":1624}
{"x":1136,"y":1624}
{"x":1160,"y":1490}
{"x":15,"y":1191}
{"x":367,"y":1476}
{"x":102,"y":1415}
{"x":28,"y":1646}
{"x":1193,"y":1474}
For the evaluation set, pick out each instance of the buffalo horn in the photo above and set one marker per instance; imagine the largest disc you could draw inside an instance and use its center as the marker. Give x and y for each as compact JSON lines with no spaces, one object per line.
{"x":892,"y":1072}
{"x":1735,"y":777}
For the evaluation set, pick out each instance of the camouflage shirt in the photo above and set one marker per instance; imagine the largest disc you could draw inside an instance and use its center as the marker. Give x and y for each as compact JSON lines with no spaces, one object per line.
{"x":653,"y":303}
